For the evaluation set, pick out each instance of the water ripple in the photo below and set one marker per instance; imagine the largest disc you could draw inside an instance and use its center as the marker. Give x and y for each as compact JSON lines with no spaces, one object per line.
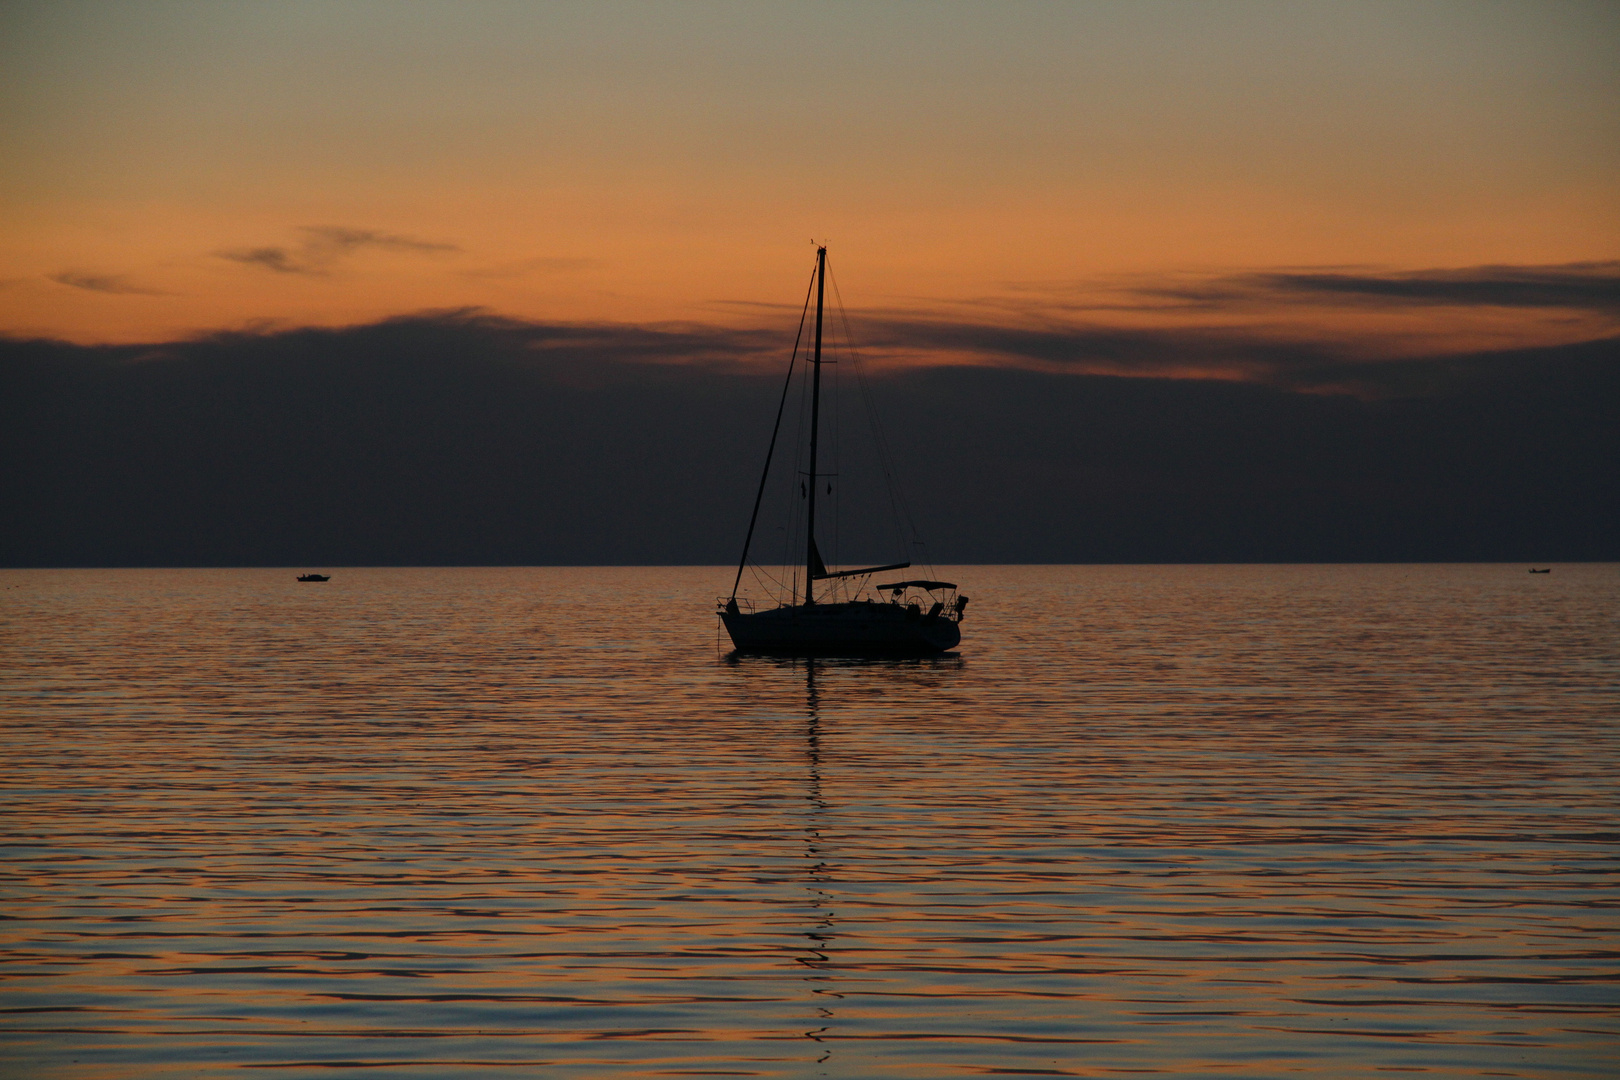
{"x":1253,"y":821}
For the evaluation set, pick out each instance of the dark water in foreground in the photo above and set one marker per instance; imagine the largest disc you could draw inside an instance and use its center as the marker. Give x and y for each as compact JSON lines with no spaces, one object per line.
{"x":1253,"y":821}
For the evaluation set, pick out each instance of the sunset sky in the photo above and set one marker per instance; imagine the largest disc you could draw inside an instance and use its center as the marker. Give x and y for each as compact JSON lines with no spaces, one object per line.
{"x":1388,"y":179}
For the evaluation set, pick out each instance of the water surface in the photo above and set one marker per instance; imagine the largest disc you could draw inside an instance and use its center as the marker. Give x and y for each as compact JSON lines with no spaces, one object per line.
{"x":1175,"y":821}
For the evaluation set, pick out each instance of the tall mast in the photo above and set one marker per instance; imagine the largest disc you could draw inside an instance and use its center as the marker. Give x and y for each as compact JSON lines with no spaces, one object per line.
{"x":810,"y":559}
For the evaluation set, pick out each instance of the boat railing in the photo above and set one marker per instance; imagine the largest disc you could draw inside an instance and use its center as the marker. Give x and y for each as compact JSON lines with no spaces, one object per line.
{"x":937,"y":602}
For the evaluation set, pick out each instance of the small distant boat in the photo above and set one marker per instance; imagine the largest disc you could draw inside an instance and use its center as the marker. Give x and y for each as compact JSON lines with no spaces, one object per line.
{"x":314,"y":577}
{"x":834,"y":614}
{"x":1533,"y":570}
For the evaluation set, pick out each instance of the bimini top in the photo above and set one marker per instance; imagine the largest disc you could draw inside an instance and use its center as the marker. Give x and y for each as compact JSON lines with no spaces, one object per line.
{"x":902,"y":586}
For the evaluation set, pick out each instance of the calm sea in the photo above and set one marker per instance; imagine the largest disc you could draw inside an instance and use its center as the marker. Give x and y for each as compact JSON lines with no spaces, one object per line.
{"x":1257,"y":821}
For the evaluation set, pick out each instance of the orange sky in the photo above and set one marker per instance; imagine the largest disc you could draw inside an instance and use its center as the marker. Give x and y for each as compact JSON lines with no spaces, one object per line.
{"x":170,"y":169}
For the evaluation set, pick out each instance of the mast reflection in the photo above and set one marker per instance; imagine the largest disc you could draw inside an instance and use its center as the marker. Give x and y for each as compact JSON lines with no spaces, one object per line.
{"x":818,"y":877}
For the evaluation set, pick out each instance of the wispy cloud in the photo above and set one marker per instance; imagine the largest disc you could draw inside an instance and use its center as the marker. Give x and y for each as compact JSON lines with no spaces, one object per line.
{"x":1589,"y":286}
{"x":321,"y":247}
{"x":1365,"y":332}
{"x":116,"y":284}
{"x":278,"y":259}
{"x":338,"y":238}
{"x":1303,"y":328}
{"x":1233,"y":354}
{"x":1142,"y":352}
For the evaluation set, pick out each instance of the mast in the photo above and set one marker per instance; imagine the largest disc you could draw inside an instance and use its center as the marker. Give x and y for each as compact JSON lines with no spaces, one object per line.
{"x":810,"y":559}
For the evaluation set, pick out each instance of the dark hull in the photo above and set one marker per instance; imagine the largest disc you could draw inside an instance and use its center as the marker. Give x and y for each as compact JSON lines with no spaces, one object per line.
{"x":858,"y":629}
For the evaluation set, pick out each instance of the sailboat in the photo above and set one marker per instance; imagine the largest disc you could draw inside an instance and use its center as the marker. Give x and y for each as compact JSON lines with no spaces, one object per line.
{"x":838,"y":612}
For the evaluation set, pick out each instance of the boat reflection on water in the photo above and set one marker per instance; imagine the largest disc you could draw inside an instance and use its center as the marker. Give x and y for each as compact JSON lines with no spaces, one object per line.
{"x":818,"y":879}
{"x":826,"y":976}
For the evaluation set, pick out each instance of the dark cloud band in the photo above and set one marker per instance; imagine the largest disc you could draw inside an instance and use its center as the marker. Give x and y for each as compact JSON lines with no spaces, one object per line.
{"x":465,"y":439}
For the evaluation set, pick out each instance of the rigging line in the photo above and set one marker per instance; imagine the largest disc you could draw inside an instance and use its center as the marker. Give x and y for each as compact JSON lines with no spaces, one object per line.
{"x":904,"y":519}
{"x":775,"y":430}
{"x":769,"y":583}
{"x":789,"y":484}
{"x":897,"y":502}
{"x":837,"y":431}
{"x":793,"y":534}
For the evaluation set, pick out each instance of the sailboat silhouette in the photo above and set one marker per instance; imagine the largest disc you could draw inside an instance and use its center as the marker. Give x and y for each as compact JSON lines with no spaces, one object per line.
{"x":913,"y":616}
